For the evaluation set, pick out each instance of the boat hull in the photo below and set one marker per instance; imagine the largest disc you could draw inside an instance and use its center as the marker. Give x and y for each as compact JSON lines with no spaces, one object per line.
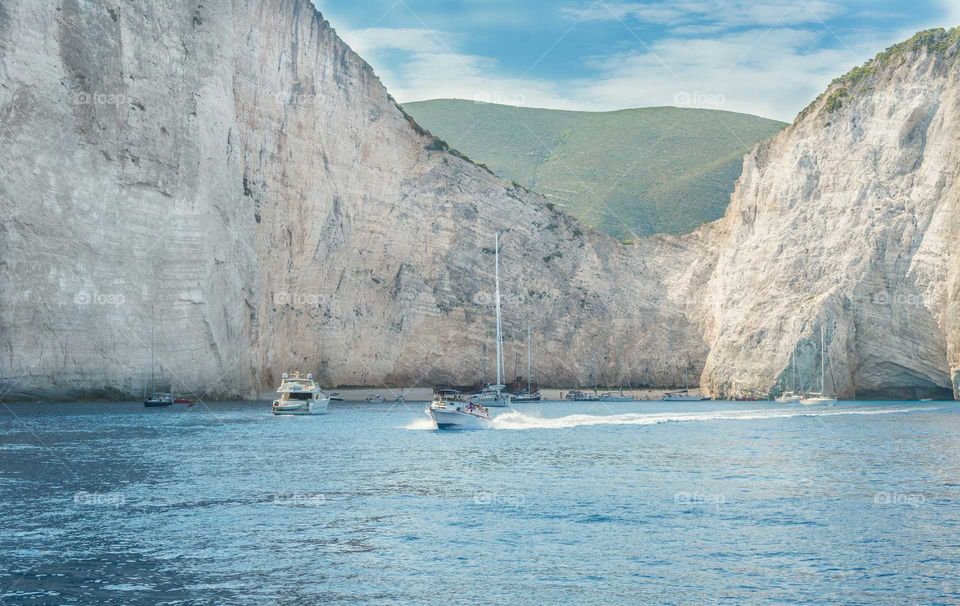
{"x":522,"y":399}
{"x":454,"y":420}
{"x":156,"y":404}
{"x":308,"y":407}
{"x":815,"y":401}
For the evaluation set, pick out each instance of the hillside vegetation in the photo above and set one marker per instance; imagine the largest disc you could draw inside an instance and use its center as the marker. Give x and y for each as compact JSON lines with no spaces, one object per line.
{"x":630,"y":172}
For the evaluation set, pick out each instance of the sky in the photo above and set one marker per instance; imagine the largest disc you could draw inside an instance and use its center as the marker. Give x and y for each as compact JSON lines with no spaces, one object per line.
{"x":765,"y":57}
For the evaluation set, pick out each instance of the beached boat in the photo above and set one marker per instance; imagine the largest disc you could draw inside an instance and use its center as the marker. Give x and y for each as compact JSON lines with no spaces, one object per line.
{"x":300,"y":396}
{"x":609,"y":396}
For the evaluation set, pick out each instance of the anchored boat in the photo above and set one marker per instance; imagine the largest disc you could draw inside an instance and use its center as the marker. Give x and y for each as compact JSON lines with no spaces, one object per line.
{"x":300,"y":396}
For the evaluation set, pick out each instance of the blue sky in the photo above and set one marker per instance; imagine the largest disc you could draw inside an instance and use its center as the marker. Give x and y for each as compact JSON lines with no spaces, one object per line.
{"x":766,"y":57}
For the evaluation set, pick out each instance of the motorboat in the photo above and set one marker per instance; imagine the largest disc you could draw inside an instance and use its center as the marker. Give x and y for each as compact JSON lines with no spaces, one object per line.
{"x":335,"y":397}
{"x":449,"y":411}
{"x":158,"y":400}
{"x":300,"y":396}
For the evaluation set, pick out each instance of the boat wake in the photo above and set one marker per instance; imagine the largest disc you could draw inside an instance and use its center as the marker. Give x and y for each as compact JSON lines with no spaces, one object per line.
{"x":421,"y":424}
{"x":519,"y":420}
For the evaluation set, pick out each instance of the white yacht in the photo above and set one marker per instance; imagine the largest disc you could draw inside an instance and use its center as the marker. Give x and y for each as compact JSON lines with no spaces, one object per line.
{"x":820,"y":397}
{"x":300,"y":396}
{"x":789,"y":397}
{"x":493,"y":395}
{"x":449,"y":411}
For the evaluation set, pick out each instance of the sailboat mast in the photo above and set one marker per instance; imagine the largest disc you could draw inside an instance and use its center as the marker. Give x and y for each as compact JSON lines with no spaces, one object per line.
{"x":529,"y":359}
{"x":823,"y":356}
{"x":497,"y":294}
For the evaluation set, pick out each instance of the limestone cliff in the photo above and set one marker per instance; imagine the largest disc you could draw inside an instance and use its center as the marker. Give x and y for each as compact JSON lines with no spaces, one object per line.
{"x":848,"y":220}
{"x":222,"y":193}
{"x":229,"y":189}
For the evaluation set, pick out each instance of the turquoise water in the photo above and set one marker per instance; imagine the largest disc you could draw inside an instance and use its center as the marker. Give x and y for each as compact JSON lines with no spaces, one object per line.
{"x":573,"y":503}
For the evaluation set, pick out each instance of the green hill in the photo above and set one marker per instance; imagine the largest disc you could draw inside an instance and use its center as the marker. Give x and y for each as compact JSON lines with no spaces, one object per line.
{"x":638,"y":171}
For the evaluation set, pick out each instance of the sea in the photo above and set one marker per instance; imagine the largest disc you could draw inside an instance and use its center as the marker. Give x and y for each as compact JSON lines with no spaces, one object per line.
{"x":559,"y":503}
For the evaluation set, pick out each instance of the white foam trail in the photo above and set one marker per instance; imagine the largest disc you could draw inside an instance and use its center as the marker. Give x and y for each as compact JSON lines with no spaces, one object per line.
{"x":519,"y":420}
{"x":421,"y":424}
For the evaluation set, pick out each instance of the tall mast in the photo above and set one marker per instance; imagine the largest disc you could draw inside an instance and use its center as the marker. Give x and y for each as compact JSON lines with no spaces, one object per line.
{"x":823,"y":357}
{"x":499,"y":334}
{"x":529,"y":358}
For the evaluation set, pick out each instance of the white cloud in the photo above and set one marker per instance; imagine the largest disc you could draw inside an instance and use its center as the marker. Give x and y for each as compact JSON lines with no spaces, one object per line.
{"x":712,"y":13}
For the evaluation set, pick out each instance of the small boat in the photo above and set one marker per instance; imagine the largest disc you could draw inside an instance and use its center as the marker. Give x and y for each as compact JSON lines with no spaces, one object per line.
{"x":182,"y":400}
{"x":525,"y":397}
{"x":448,"y":411}
{"x":492,"y":397}
{"x":682,"y":395}
{"x":158,"y":400}
{"x":819,"y":397}
{"x":789,"y":397}
{"x":335,"y":397}
{"x":613,"y":397}
{"x":300,"y":396}
{"x":376,"y":398}
{"x":401,"y":399}
{"x":581,"y":396}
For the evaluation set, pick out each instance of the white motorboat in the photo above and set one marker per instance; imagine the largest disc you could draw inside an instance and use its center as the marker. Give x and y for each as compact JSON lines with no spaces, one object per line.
{"x":300,"y":396}
{"x":820,"y":397}
{"x":449,"y":411}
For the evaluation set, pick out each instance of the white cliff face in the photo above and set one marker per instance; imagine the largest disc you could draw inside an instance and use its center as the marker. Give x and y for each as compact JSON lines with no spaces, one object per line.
{"x":848,"y":220}
{"x":232,"y":188}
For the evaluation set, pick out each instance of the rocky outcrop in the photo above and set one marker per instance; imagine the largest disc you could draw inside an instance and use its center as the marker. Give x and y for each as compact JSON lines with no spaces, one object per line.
{"x":848,"y":220}
{"x":231,"y":188}
{"x":219,"y":194}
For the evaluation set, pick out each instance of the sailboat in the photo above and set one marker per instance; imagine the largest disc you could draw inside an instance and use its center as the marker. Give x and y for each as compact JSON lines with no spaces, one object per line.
{"x":684,"y":394}
{"x":157,"y":399}
{"x":819,"y":397}
{"x":493,"y":396}
{"x":529,"y":395}
{"x":793,"y":395}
